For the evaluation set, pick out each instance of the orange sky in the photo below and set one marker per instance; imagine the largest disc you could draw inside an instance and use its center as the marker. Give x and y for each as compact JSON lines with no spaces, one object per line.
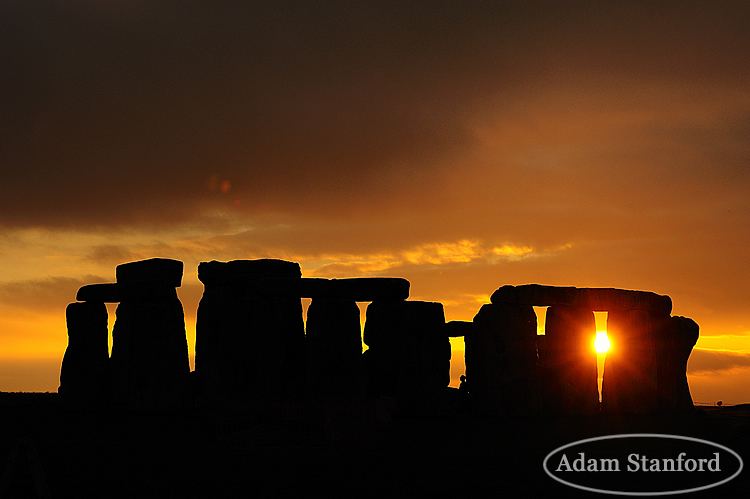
{"x":460,"y":146}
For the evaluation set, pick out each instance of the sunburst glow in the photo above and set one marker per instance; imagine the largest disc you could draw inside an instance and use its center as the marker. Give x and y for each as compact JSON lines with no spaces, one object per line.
{"x":601,"y":343}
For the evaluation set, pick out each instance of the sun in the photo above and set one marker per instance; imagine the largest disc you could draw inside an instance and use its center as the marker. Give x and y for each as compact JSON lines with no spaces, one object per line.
{"x":601,"y":343}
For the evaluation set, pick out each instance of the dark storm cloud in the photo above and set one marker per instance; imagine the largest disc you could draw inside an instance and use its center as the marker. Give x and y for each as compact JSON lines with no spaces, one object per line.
{"x":135,"y":109}
{"x":143,"y":113}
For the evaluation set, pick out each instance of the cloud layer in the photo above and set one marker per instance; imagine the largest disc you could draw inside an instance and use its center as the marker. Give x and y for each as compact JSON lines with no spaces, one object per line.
{"x":133,"y":114}
{"x":704,"y":362}
{"x":460,"y":145}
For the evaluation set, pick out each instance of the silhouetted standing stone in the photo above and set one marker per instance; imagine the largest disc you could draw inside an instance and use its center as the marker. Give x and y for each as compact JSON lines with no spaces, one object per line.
{"x":676,"y":338}
{"x":570,"y":361}
{"x":265,"y":360}
{"x":214,"y":320}
{"x":84,"y":374}
{"x":501,"y":358}
{"x":248,"y":344}
{"x":629,"y":381}
{"x":334,"y":349}
{"x":150,"y":364}
{"x":409,"y":355}
{"x":150,"y":367}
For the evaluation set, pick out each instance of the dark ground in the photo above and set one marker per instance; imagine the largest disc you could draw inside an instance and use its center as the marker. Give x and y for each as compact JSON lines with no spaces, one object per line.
{"x":353,"y":450}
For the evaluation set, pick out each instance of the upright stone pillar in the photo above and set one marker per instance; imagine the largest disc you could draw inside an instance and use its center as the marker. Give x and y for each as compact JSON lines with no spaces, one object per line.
{"x":629,"y":381}
{"x":409,"y":355}
{"x":84,"y":374}
{"x":501,"y":358}
{"x":570,"y":361}
{"x":677,"y":336}
{"x":334,"y":349}
{"x":150,"y":367}
{"x":249,"y":342}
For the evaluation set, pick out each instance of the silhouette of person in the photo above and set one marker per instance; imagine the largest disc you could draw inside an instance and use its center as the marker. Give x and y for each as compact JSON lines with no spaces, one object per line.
{"x":463,"y":387}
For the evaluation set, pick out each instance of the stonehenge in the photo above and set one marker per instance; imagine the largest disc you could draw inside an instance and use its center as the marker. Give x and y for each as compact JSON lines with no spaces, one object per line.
{"x":674,"y":341}
{"x":591,"y":298}
{"x":253,"y":345}
{"x":333,"y":337}
{"x":629,"y":384}
{"x":148,"y":368}
{"x":409,"y":354}
{"x":248,"y":343}
{"x":501,"y":357}
{"x":250,"y":336}
{"x":645,"y":369}
{"x":569,"y":366}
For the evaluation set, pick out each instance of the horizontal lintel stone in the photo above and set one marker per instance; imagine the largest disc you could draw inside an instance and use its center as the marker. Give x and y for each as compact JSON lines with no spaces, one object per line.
{"x":154,"y":269}
{"x":246,"y":271}
{"x":356,"y":288}
{"x":457,"y":329}
{"x":591,"y":298}
{"x":115,"y":292}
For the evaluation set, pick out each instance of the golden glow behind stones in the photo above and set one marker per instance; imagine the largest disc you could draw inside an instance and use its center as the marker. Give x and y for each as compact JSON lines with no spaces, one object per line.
{"x":601,"y":343}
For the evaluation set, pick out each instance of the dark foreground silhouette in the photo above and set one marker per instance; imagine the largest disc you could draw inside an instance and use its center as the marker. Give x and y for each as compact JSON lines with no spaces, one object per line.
{"x":320,"y":451}
{"x":277,"y":409}
{"x":252,"y":346}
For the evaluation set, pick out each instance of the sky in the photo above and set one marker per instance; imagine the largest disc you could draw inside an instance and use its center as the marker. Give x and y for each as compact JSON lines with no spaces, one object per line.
{"x":461,"y":145}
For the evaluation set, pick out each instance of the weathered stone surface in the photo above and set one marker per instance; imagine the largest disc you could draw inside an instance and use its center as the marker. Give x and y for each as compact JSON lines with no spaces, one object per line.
{"x":409,"y":355}
{"x":457,"y":329}
{"x":501,"y":358}
{"x":675,"y":340}
{"x":244,"y":271}
{"x":149,"y":360}
{"x":213,"y":337}
{"x":630,"y":368}
{"x":591,"y":298}
{"x":84,"y":374}
{"x":115,"y":292}
{"x":334,"y":349}
{"x":569,"y":367}
{"x":154,"y":269}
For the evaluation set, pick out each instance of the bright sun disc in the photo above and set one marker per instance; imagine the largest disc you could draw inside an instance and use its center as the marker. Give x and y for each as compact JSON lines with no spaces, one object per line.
{"x":601,"y":343}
